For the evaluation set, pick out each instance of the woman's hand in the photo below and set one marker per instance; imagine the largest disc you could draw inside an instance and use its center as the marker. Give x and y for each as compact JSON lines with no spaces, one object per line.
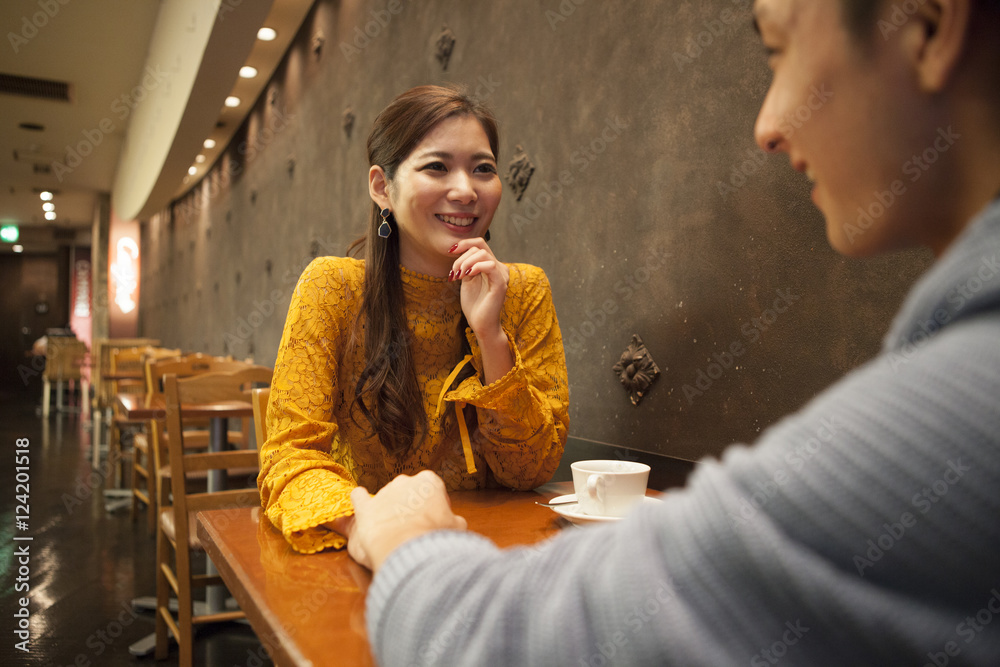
{"x":484,"y":288}
{"x":405,"y":508}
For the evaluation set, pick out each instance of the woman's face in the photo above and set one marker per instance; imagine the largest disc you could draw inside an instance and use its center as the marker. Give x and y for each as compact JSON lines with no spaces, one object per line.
{"x":446,"y":190}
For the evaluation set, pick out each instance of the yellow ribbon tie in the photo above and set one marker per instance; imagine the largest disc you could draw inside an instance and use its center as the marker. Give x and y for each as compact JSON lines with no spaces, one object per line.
{"x":463,"y":428}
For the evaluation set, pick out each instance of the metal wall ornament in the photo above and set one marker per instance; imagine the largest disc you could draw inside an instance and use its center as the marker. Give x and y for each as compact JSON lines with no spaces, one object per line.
{"x":519,"y":172}
{"x":443,"y":46}
{"x":347,"y":121}
{"x":636,"y":370}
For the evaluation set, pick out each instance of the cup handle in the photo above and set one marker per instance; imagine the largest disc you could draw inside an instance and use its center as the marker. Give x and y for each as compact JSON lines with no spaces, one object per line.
{"x":595,"y":490}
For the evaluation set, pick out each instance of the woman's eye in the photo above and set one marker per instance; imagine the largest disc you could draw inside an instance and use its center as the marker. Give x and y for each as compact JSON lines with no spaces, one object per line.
{"x":435,"y":166}
{"x":486,"y":168}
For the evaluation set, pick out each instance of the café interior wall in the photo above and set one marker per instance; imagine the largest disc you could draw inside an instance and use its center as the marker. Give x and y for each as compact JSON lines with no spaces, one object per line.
{"x":650,"y":207}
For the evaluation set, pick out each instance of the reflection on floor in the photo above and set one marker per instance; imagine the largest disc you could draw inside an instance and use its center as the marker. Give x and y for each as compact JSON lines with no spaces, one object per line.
{"x":85,"y":565}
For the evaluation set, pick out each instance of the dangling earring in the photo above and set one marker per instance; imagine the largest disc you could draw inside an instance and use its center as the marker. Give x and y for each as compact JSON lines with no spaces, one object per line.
{"x":486,"y":236}
{"x":384,"y":230}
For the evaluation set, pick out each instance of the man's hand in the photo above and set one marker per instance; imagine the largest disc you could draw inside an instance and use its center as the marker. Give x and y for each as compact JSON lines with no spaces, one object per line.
{"x":407,"y":507}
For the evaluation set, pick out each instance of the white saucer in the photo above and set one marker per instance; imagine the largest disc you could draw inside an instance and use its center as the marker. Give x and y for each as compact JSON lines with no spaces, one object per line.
{"x":571,"y":510}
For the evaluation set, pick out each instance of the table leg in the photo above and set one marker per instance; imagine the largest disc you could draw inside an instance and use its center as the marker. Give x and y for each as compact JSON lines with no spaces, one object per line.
{"x":215,"y":596}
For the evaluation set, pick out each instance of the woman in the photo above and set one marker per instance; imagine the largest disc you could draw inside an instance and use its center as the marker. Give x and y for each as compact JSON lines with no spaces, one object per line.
{"x":374,"y":350}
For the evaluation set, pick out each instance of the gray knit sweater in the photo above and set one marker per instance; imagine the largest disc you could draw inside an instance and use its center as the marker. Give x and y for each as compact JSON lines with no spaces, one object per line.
{"x":862,"y":530}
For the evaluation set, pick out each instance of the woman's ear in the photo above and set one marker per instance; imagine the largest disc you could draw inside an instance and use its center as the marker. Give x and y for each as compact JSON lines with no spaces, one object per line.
{"x":378,"y":186}
{"x":944,"y":26}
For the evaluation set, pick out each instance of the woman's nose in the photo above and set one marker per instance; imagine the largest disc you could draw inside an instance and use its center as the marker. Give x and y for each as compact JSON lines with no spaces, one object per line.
{"x":462,"y":188}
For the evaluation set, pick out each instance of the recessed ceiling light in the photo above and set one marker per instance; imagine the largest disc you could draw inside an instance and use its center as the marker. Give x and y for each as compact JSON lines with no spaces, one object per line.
{"x":248,"y":72}
{"x":17,"y":248}
{"x":48,"y":206}
{"x":232,"y":101}
{"x":199,"y":158}
{"x":50,"y":215}
{"x":209,"y":143}
{"x":45,"y":196}
{"x":266,"y":34}
{"x":192,"y":170}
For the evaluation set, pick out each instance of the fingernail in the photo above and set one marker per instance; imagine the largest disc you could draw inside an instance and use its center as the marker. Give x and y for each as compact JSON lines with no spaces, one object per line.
{"x":453,"y":248}
{"x":450,"y":274}
{"x":468,"y":271}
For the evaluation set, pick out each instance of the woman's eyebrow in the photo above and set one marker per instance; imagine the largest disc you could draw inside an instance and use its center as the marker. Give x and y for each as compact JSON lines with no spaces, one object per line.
{"x":445,"y":155}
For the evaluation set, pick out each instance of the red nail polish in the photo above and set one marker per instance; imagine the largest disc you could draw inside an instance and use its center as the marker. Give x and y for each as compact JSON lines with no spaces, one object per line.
{"x":468,"y":271}
{"x":453,"y":248}
{"x":450,"y":274}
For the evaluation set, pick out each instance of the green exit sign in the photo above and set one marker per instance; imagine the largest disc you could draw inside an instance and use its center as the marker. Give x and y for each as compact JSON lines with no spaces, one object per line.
{"x":9,"y":233}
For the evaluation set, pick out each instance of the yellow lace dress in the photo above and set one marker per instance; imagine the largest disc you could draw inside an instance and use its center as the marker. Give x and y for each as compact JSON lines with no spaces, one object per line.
{"x":316,"y":453}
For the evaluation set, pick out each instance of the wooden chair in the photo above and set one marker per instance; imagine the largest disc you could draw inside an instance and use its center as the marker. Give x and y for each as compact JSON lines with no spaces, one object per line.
{"x":176,"y":526}
{"x":148,"y":456}
{"x":104,"y":395}
{"x":64,"y":358}
{"x":126,"y":369}
{"x":259,"y":397}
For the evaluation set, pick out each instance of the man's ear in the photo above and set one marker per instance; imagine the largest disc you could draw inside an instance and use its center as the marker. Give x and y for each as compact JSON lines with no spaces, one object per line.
{"x":378,"y":186}
{"x":939,"y":44}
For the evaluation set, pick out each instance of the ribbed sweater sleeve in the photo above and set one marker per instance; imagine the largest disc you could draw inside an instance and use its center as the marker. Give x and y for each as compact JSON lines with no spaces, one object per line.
{"x":861,"y":530}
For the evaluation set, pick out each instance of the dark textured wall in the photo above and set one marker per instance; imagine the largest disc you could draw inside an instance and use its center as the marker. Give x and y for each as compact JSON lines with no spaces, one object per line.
{"x":650,"y":207}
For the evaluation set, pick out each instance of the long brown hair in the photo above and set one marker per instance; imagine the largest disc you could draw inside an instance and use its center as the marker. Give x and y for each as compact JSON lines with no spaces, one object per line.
{"x":387,"y":392}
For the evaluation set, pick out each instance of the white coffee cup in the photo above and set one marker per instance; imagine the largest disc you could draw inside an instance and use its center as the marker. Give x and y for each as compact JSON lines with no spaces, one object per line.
{"x":609,"y":488}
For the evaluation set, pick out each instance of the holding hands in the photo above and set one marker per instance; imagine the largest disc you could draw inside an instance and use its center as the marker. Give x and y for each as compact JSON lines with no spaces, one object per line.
{"x":405,"y":508}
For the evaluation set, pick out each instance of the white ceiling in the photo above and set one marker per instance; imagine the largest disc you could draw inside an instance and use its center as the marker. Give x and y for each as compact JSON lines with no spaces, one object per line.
{"x":101,"y":48}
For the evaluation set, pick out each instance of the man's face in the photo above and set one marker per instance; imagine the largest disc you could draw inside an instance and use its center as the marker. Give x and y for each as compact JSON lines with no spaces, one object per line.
{"x":849,"y":117}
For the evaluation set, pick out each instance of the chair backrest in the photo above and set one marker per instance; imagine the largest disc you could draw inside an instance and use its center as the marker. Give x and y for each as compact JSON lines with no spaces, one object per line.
{"x":259,"y":397}
{"x":128,"y":362}
{"x":64,"y":355}
{"x":187,"y":366}
{"x":104,"y":393}
{"x":181,"y":394}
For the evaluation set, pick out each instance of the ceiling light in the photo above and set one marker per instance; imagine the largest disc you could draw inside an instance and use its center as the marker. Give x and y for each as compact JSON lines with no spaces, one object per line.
{"x":192,"y":170}
{"x":50,"y":215}
{"x":9,"y":233}
{"x":232,"y":101}
{"x":48,"y":206}
{"x":266,"y":34}
{"x":46,"y":196}
{"x":209,"y":143}
{"x":199,"y":158}
{"x":248,"y":72}
{"x":17,"y":248}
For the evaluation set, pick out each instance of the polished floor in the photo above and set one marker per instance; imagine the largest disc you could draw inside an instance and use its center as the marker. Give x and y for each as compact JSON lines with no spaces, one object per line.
{"x":82,"y":565}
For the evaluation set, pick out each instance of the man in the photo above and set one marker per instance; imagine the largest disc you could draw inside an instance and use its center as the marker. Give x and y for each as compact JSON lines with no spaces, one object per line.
{"x":861,"y":530}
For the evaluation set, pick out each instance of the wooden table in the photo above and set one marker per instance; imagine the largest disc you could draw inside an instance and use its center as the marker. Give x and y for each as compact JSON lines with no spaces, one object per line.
{"x":310,"y":609}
